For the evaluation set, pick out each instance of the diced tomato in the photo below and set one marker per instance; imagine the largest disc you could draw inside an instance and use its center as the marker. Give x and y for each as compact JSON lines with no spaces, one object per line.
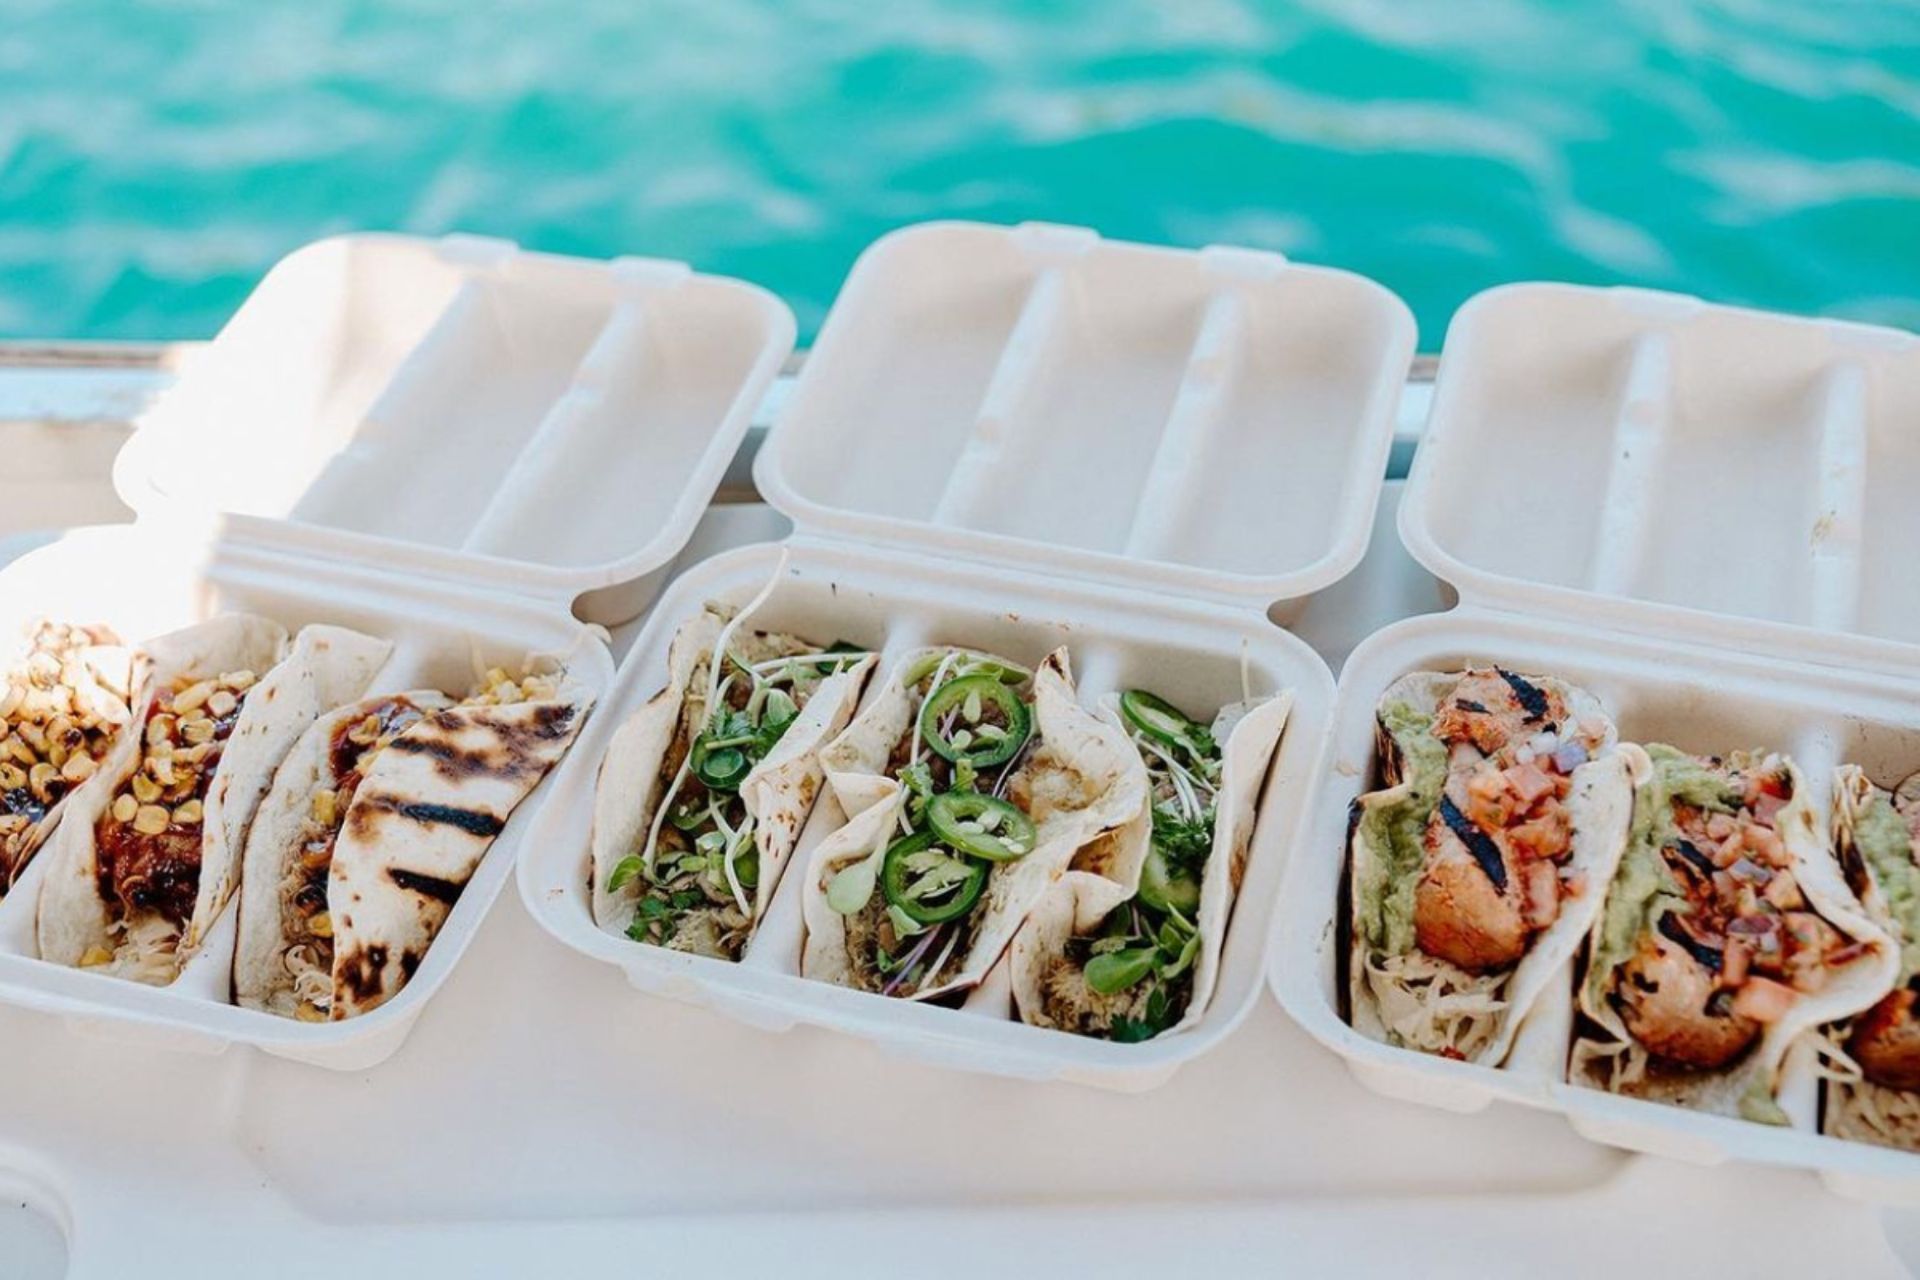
{"x":1547,"y":836}
{"x":1767,"y":845}
{"x":1763,"y":1000}
{"x":1529,"y":782}
{"x":1765,"y":806}
{"x":1733,"y":962}
{"x":1728,"y":851}
{"x":1489,"y":803}
{"x":1543,"y":894}
{"x":1573,"y":885}
{"x":1784,"y":892}
{"x":1720,"y":826}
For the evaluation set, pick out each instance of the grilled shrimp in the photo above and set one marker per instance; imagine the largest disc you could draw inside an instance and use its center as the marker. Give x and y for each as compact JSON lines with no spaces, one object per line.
{"x":1667,"y":1001}
{"x":1886,"y":1041}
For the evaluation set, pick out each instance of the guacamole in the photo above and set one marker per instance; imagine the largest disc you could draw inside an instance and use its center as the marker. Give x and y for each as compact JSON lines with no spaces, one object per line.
{"x":1643,"y":888}
{"x":1884,"y":841}
{"x":1394,"y":831}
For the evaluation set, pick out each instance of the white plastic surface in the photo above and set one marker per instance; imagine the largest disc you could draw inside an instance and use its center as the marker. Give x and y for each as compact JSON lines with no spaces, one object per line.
{"x":1699,"y":698}
{"x":536,"y":425}
{"x":1187,"y":652}
{"x":1210,"y":422}
{"x":542,"y":1121}
{"x":144,"y":586}
{"x":1648,"y":462}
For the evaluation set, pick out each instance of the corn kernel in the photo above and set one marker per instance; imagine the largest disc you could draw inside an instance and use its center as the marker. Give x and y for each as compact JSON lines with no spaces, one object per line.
{"x":94,"y":957}
{"x":193,"y":697}
{"x":189,"y":814}
{"x":124,"y":807}
{"x":321,"y":926}
{"x":145,"y":789}
{"x":221,"y":702}
{"x":151,"y":820}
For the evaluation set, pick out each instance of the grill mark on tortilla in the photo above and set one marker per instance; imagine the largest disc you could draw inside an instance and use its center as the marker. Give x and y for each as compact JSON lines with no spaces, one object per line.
{"x":1707,"y":957}
{"x":360,"y":971}
{"x":1468,"y":704}
{"x":364,"y":818}
{"x":426,"y":886}
{"x":1479,"y":844}
{"x":513,"y":751}
{"x":1532,"y":700}
{"x":472,"y":821}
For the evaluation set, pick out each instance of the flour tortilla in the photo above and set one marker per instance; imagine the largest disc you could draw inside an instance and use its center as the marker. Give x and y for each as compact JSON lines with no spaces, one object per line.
{"x":1398,"y":999}
{"x":325,"y":665}
{"x":421,"y":821}
{"x":1596,"y":1059}
{"x":1082,"y":899}
{"x":1084,"y":777}
{"x":1856,"y":1108}
{"x":262,"y":978}
{"x":779,"y":792}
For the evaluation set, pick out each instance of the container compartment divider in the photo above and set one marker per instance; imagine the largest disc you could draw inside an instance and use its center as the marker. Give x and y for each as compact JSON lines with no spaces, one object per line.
{"x":539,"y":470}
{"x":1031,"y":346}
{"x":373,"y":447}
{"x":1641,"y":424}
{"x":1179,"y":472}
{"x":1841,"y":497}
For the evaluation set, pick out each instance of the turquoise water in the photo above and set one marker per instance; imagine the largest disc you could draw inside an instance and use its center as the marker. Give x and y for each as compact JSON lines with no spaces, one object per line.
{"x":154,"y":159}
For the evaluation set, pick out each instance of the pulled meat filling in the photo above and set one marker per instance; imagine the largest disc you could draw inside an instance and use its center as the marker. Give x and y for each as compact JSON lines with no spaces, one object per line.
{"x":149,"y":842}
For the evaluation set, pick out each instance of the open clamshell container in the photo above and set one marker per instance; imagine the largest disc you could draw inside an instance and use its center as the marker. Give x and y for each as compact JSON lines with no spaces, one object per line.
{"x":1700,"y":514}
{"x":451,"y":445}
{"x":1015,"y":439}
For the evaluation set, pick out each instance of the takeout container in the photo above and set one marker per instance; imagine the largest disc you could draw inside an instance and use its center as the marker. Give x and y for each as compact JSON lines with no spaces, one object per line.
{"x":1018,"y":438}
{"x":1702,"y":515}
{"x":453,"y":445}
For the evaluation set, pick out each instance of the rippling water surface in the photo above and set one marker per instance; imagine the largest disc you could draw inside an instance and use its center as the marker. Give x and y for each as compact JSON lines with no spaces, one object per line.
{"x":154,"y":159}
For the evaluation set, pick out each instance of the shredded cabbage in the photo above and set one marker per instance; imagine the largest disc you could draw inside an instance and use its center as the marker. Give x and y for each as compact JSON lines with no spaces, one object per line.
{"x":145,"y":950}
{"x":1427,"y":1004}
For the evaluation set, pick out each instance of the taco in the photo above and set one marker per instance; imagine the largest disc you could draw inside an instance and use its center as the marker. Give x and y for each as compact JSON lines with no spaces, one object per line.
{"x":149,"y":852}
{"x":704,"y":789}
{"x":1478,"y":870}
{"x":63,"y":704}
{"x":1876,"y":835}
{"x":1147,"y":966}
{"x":970,"y":786}
{"x":376,"y":822}
{"x":1729,"y":931}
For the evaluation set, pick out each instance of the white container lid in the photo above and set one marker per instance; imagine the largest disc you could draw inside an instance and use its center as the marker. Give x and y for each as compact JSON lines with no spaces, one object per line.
{"x":1211,"y":423}
{"x":1648,"y":462}
{"x":459,"y":408}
